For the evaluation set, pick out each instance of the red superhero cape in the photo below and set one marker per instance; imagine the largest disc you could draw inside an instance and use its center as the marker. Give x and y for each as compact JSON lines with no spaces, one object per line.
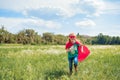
{"x":83,"y":51}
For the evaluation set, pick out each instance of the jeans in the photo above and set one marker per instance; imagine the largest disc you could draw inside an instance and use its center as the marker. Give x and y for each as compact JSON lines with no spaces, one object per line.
{"x":75,"y":59}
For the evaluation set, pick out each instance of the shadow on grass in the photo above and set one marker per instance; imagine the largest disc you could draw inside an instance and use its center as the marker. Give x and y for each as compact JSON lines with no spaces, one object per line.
{"x":57,"y":74}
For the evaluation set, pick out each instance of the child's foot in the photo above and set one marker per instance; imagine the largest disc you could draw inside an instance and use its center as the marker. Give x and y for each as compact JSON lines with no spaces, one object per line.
{"x":71,"y":72}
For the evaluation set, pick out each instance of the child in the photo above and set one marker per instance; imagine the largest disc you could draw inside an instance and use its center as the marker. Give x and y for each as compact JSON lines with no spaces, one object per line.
{"x":72,"y":50}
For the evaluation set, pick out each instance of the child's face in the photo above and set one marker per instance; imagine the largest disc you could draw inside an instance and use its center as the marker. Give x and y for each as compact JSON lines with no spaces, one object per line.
{"x":72,"y":40}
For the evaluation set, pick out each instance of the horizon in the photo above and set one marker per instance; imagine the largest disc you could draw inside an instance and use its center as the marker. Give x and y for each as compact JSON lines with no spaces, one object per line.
{"x":86,"y":17}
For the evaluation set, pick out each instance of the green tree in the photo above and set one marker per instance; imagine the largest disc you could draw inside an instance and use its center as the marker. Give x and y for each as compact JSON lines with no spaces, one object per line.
{"x":48,"y":38}
{"x":60,"y":39}
{"x":21,"y":37}
{"x":5,"y":36}
{"x":28,"y":36}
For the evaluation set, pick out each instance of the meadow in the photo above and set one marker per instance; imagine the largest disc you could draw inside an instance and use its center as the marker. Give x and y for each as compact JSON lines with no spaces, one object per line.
{"x":49,"y":62}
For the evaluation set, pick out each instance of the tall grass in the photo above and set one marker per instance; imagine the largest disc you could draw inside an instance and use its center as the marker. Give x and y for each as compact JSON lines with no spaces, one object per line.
{"x":46,"y":62}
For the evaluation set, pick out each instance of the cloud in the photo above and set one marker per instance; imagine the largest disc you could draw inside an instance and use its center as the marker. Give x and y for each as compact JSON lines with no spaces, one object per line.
{"x":52,"y":15}
{"x":98,"y":6}
{"x":21,"y":23}
{"x":64,"y":7}
{"x":85,"y":23}
{"x":112,"y":8}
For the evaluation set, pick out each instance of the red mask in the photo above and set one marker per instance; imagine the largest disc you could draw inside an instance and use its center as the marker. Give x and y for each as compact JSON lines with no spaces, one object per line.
{"x":72,"y":37}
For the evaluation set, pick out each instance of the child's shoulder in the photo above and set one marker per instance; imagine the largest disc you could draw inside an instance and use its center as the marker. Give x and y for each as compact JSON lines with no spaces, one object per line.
{"x":68,"y":42}
{"x":78,"y":42}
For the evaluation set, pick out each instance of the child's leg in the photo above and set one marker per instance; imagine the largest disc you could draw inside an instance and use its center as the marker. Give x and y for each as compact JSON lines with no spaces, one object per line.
{"x":75,"y":63}
{"x":70,"y":64}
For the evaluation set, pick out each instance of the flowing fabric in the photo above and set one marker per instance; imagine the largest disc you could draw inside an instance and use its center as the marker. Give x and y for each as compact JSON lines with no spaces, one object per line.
{"x":83,"y":53}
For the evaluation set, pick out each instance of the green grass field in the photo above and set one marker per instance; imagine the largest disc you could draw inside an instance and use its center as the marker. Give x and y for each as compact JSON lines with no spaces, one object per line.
{"x":46,"y":62}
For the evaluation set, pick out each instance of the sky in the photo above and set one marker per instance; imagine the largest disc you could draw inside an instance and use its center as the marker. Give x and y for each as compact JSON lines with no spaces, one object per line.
{"x":86,"y":17}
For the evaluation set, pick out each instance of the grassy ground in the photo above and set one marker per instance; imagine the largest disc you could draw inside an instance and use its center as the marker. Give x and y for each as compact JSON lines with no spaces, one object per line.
{"x":26,"y":62}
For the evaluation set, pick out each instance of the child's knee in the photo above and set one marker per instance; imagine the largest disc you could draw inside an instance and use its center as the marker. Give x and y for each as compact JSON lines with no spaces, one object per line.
{"x":75,"y":61}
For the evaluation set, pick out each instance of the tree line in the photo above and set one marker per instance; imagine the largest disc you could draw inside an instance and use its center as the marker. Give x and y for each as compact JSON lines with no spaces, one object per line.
{"x":29,"y":36}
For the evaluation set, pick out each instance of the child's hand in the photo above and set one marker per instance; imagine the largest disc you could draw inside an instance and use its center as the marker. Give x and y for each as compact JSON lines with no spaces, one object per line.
{"x":71,"y":49}
{"x":68,"y":50}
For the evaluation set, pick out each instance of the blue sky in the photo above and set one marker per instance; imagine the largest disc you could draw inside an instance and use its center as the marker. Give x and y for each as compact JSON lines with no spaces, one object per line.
{"x":86,"y":17}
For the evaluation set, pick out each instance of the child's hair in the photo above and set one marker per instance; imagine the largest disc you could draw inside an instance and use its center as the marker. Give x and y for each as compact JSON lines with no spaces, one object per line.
{"x":72,"y":35}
